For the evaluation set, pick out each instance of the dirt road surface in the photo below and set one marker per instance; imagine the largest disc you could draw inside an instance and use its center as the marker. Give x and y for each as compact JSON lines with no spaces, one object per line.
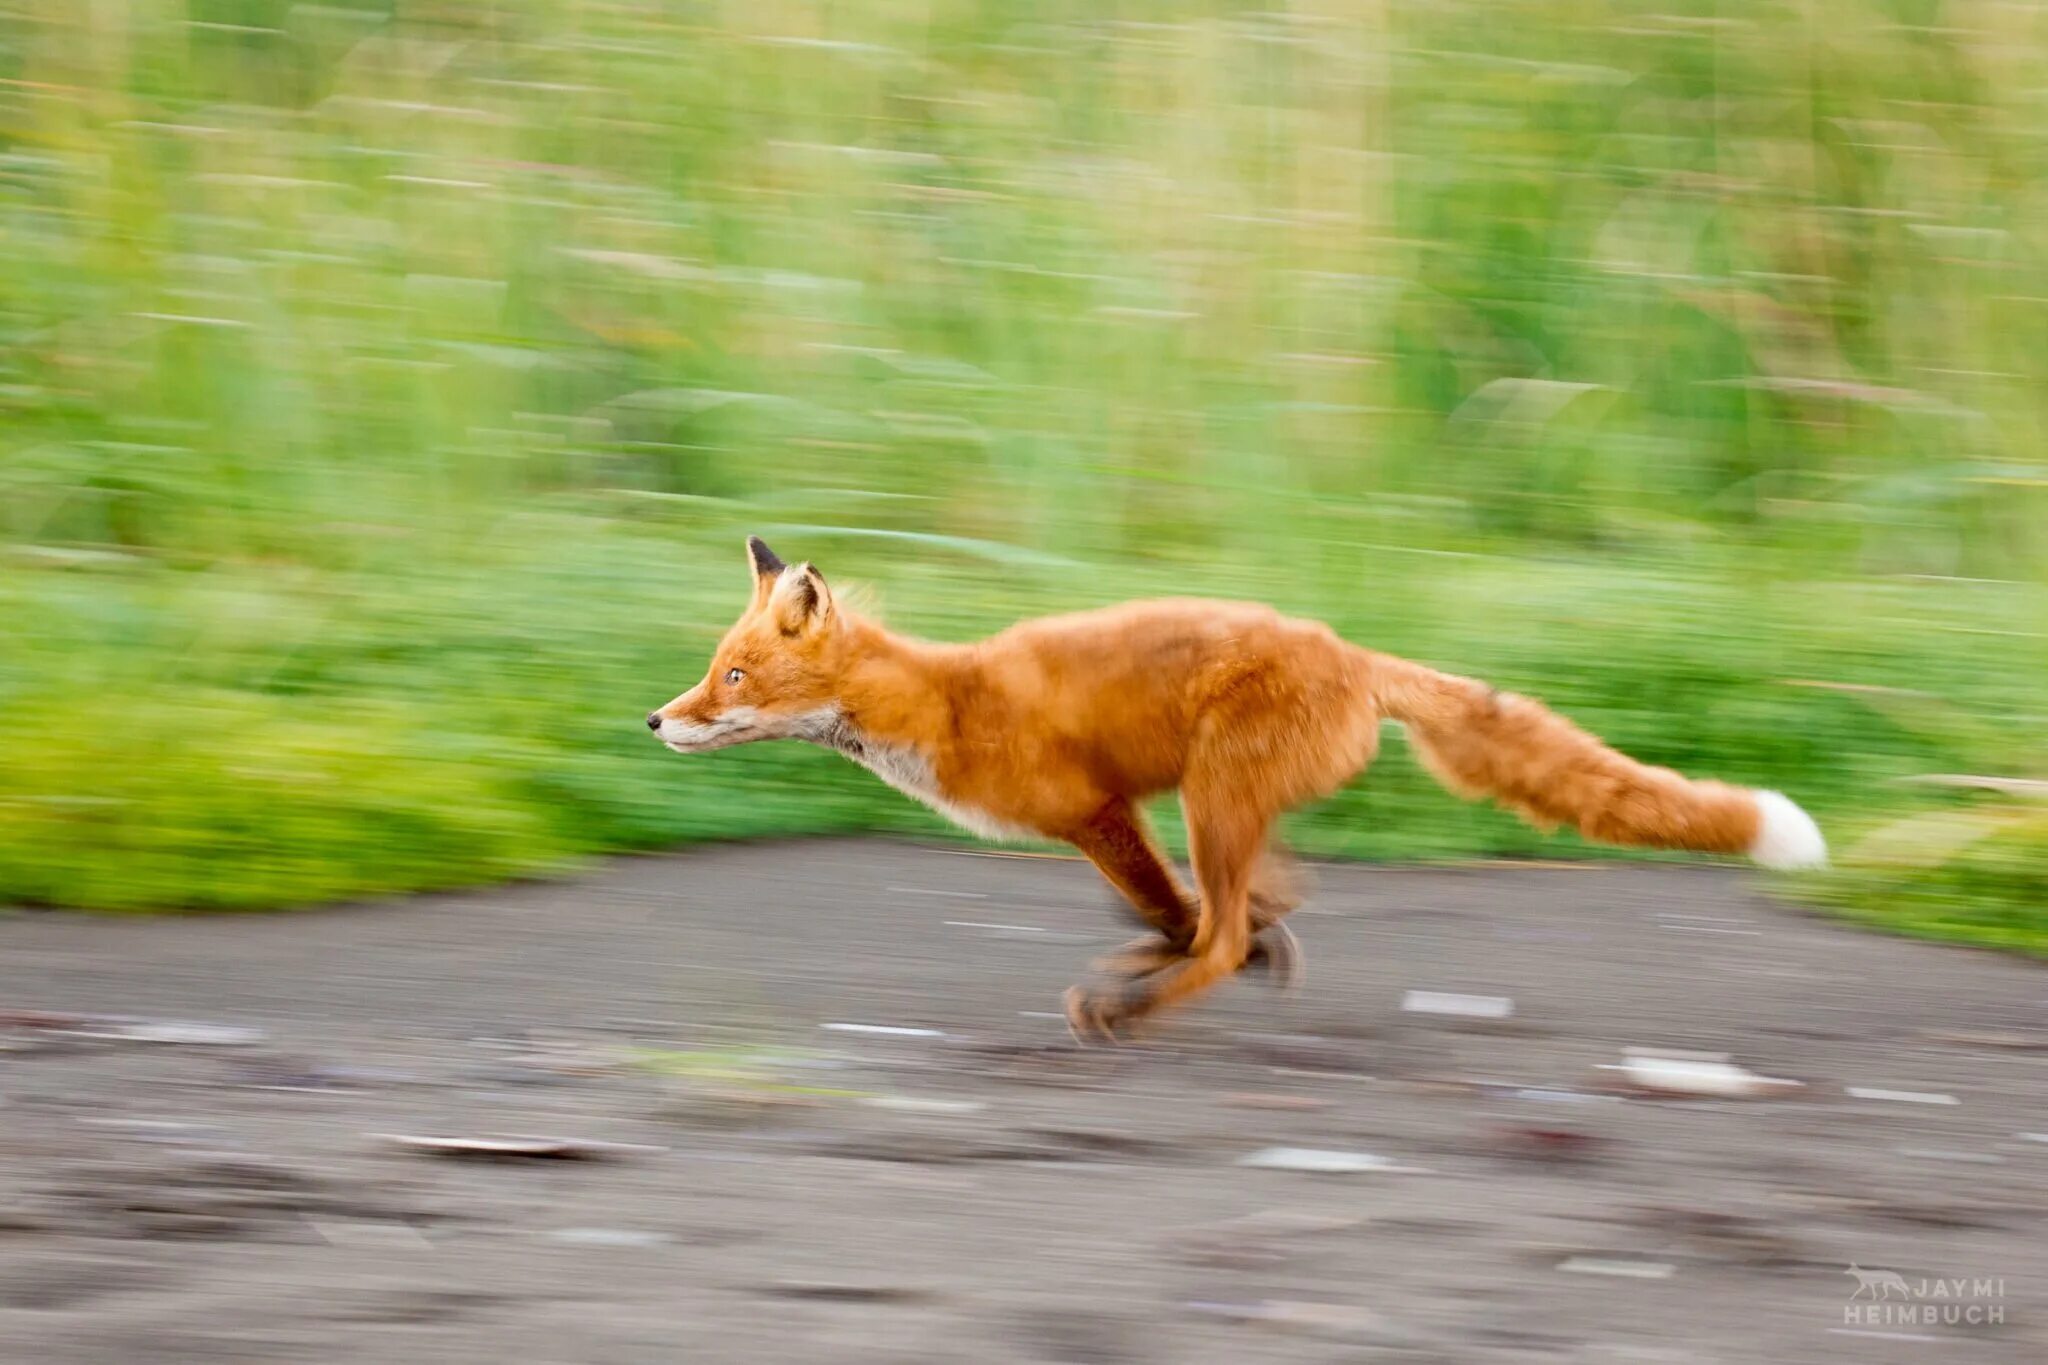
{"x":970,"y":1187}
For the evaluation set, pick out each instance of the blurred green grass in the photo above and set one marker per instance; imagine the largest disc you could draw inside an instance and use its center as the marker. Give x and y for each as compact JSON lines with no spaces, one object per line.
{"x":387,"y":388}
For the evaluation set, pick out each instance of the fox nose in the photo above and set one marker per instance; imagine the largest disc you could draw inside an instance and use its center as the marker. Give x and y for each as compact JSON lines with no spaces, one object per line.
{"x":654,"y":720}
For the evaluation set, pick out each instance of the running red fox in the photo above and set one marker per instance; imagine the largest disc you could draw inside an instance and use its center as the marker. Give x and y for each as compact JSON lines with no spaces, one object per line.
{"x":1060,"y":727}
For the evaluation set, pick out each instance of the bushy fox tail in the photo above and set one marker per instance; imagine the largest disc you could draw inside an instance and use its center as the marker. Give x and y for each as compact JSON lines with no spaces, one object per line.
{"x":1479,"y":741}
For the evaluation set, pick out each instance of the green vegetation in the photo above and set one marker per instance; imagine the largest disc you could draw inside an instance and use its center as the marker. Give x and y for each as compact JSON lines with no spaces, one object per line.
{"x":387,"y":388}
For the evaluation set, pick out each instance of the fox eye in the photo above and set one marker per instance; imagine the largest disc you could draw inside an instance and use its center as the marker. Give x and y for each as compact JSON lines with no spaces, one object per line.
{"x":733,"y":676}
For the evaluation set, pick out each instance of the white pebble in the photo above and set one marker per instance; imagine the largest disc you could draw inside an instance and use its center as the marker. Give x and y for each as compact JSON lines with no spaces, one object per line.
{"x":887,"y":1030}
{"x":1318,"y":1161}
{"x":1860,"y":1092}
{"x":1634,"y":1270}
{"x":1448,"y":1002}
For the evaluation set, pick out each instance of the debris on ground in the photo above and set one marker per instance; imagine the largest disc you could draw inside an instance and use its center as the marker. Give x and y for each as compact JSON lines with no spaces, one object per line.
{"x":1321,"y":1162}
{"x":191,"y":1035}
{"x":1624,"y":1268}
{"x":1458,"y":1006}
{"x":842,"y":1291}
{"x":500,"y":1148}
{"x":121,"y":1029}
{"x":1551,"y":1144}
{"x":2009,"y":1040}
{"x":1542,"y":1094}
{"x":1697,"y":1075}
{"x":1866,"y":1092}
{"x":884,"y":1030}
{"x":913,"y":1104}
{"x":607,"y":1237}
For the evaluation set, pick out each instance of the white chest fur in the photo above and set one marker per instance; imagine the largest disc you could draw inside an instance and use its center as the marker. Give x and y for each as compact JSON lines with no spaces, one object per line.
{"x":907,"y":769}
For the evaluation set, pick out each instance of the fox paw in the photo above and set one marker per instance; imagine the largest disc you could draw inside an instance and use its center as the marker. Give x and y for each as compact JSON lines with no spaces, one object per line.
{"x":1139,"y":957}
{"x":1098,"y":1015}
{"x":1274,"y":951}
{"x":1277,"y":952}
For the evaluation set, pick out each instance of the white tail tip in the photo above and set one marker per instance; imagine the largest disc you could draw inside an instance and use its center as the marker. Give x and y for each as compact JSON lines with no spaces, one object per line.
{"x":1786,"y":836}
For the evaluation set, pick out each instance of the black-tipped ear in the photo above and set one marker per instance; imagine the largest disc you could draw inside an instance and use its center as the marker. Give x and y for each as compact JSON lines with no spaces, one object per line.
{"x":762,"y":558}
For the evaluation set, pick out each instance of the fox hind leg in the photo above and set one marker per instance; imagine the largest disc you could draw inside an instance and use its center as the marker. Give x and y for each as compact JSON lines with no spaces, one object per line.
{"x":1276,"y":891}
{"x":1226,"y":833}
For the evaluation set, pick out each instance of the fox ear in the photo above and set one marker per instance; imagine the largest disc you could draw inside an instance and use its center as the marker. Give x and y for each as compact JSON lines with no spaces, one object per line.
{"x":765,"y":562}
{"x":800,"y":600}
{"x":766,"y":566}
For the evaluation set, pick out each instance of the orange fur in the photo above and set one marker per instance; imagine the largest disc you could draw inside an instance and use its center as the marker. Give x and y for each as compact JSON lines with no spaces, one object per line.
{"x":1058,"y":727}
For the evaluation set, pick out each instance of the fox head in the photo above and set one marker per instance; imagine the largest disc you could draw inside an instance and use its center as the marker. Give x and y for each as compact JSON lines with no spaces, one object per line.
{"x":774,"y":674}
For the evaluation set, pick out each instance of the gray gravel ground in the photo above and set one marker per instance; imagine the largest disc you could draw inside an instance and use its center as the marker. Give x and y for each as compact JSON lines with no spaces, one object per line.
{"x":983,"y":1191}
